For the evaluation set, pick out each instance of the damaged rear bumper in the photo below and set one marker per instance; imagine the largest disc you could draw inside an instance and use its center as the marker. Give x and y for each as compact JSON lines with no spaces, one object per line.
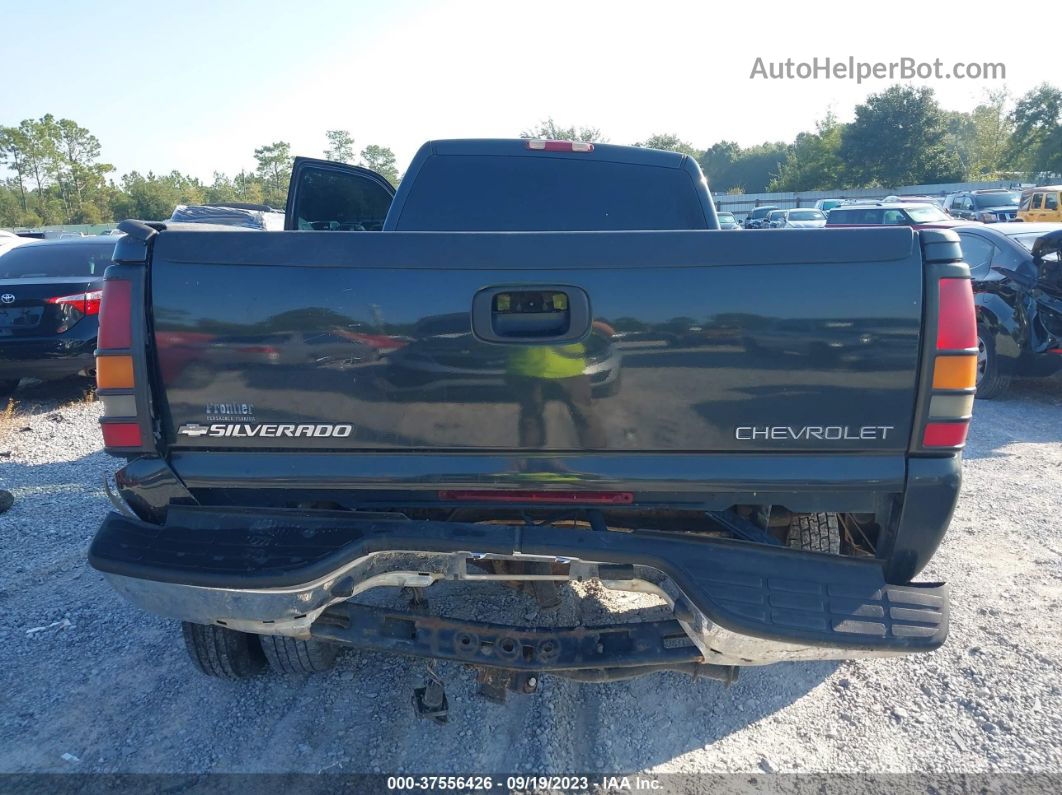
{"x":292,"y":572}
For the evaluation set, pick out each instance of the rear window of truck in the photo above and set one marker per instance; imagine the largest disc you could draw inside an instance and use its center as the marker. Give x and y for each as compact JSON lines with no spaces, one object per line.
{"x":484,"y":193}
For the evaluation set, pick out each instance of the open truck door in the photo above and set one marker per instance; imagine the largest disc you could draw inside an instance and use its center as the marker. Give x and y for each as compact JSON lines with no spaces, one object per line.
{"x":328,"y":196}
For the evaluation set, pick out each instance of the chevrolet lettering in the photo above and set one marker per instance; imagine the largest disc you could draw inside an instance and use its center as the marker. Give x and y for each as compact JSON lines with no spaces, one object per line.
{"x":824,"y":432}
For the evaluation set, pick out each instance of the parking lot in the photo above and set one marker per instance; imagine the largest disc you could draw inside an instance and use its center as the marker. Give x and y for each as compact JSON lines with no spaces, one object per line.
{"x":93,"y":684}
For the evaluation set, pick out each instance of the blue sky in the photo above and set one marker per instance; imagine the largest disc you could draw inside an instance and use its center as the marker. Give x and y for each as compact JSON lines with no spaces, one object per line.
{"x":197,"y":86}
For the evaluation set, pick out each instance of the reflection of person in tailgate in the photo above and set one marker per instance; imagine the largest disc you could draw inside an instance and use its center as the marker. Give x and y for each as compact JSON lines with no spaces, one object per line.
{"x":538,"y":373}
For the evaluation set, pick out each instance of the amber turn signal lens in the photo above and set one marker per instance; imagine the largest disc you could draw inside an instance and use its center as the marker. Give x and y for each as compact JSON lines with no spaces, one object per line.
{"x":955,"y":372}
{"x":114,"y":372}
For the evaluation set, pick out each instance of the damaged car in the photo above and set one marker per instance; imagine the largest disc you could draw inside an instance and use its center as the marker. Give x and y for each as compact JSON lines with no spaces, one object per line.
{"x":1018,"y":292}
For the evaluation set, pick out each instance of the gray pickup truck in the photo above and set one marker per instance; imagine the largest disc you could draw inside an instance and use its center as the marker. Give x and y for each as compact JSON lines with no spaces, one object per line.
{"x":538,"y":362}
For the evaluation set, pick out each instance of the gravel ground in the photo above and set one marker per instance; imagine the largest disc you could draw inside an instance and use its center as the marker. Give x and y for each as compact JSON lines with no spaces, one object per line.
{"x":88,"y":676}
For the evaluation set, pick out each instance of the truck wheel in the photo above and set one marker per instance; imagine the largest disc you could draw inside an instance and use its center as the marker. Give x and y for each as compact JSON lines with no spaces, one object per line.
{"x":990,"y":382}
{"x":224,"y":653}
{"x":294,"y":656}
{"x":815,"y":532}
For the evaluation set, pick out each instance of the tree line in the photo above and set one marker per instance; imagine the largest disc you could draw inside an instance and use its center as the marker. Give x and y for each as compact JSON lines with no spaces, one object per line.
{"x":900,"y":136}
{"x":56,"y":177}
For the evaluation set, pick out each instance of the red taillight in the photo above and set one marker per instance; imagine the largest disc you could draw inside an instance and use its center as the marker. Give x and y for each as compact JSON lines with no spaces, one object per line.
{"x":956,"y":319}
{"x":945,"y":434}
{"x":554,"y":497}
{"x":86,"y":303}
{"x":115,"y":366}
{"x":115,"y":316}
{"x":560,"y":146}
{"x":121,"y":434}
{"x":954,"y":374}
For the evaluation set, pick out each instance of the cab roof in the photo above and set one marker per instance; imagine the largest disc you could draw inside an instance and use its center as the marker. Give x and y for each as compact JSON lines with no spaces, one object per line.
{"x":510,"y":147}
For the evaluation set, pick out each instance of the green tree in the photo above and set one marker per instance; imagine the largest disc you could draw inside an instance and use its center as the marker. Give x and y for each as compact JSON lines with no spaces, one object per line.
{"x":13,"y":148}
{"x":549,"y":130}
{"x":715,"y":162}
{"x":249,"y":188}
{"x":814,"y":161}
{"x":669,"y":142}
{"x":1036,"y":144}
{"x":757,"y":166}
{"x":40,"y":155}
{"x":992,"y":131}
{"x":381,"y":160}
{"x":79,"y":151}
{"x":899,"y":137}
{"x":981,"y":138}
{"x":340,"y":146}
{"x":153,"y":197}
{"x":56,"y":174}
{"x":221,"y":191}
{"x":274,"y":169}
{"x":11,"y":210}
{"x":727,"y":166}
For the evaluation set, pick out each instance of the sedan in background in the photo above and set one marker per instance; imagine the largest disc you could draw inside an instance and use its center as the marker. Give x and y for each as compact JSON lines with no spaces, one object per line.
{"x":8,"y":241}
{"x":50,"y":293}
{"x":936,"y":201}
{"x":1017,"y":281}
{"x":773,"y":219}
{"x":755,"y":217}
{"x":825,"y":205}
{"x":727,"y":221}
{"x":920,"y":216}
{"x":800,"y":218}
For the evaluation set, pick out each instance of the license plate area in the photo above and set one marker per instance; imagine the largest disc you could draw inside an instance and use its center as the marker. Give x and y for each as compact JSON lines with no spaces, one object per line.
{"x":17,"y":318}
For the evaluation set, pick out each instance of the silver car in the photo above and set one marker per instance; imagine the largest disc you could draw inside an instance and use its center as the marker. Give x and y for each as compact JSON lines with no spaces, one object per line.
{"x":800,"y":218}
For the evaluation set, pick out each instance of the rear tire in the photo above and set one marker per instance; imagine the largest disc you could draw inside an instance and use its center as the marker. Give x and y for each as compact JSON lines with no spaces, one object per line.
{"x":990,"y":382}
{"x":815,"y":532}
{"x":223,"y":653}
{"x":295,"y":656}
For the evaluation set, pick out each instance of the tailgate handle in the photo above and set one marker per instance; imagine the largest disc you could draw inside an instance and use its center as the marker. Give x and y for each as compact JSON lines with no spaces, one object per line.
{"x":529,"y":314}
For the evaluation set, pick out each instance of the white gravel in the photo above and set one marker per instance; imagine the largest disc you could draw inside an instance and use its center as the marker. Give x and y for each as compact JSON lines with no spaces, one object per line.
{"x":92,"y":684}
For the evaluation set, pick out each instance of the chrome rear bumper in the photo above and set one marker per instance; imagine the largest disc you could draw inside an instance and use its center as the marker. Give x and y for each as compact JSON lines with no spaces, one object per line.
{"x":739,"y":603}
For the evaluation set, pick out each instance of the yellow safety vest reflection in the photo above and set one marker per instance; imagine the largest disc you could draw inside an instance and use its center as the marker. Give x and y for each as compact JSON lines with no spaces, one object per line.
{"x":548,"y":361}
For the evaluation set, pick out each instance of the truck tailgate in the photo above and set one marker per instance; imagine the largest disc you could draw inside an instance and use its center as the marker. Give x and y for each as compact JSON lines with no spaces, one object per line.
{"x":802,"y":340}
